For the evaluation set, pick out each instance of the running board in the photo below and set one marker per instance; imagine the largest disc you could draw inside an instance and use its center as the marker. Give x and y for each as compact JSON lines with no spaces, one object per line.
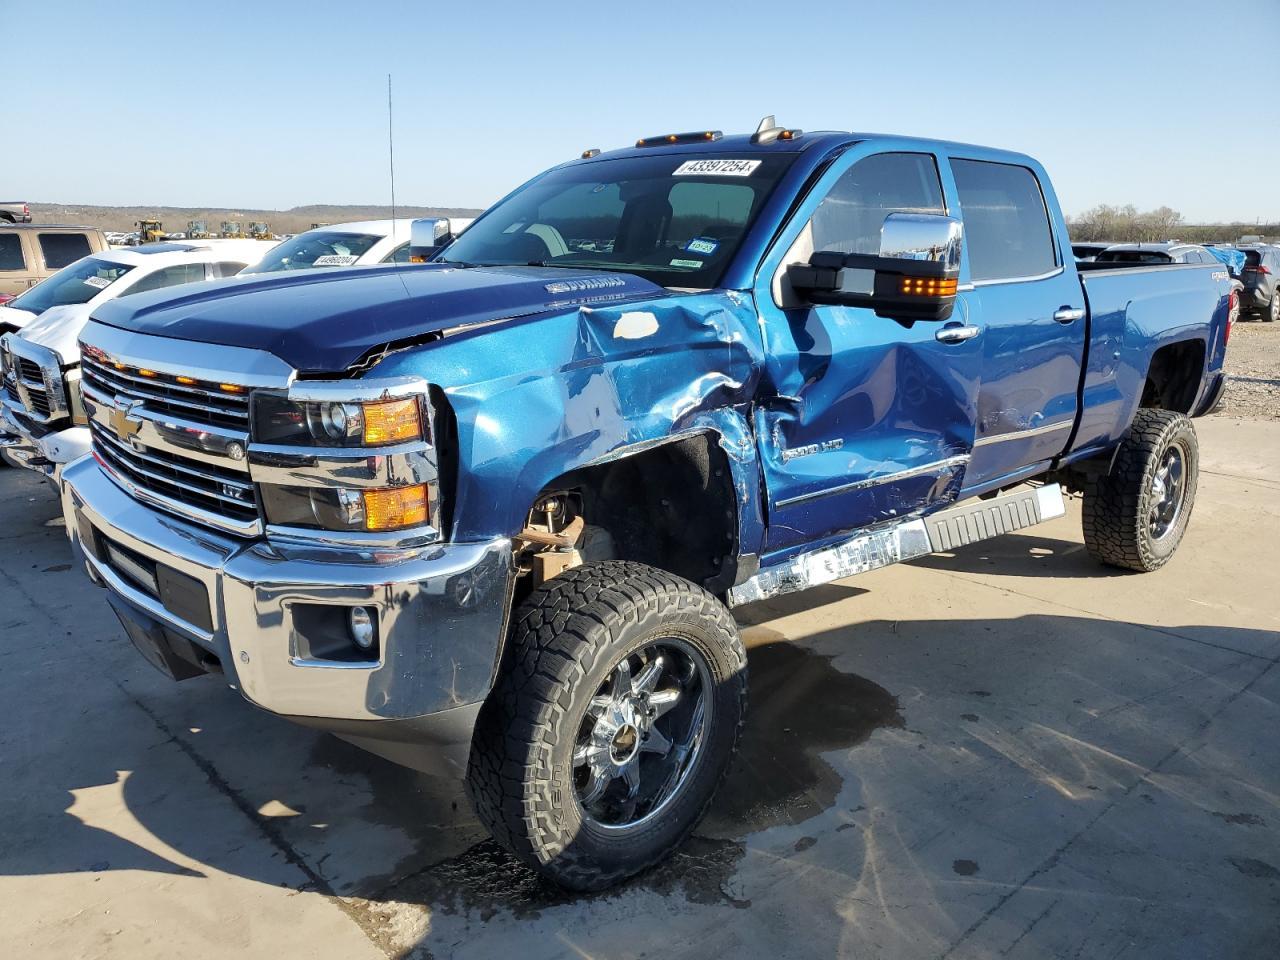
{"x":945,"y":530}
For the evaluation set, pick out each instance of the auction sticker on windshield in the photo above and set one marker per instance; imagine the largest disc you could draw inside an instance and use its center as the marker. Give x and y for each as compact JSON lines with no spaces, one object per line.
{"x":716,"y":168}
{"x":334,"y":260}
{"x":100,"y":283}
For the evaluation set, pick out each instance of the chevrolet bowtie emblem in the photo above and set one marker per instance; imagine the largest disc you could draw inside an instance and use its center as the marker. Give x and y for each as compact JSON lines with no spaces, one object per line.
{"x":123,"y":422}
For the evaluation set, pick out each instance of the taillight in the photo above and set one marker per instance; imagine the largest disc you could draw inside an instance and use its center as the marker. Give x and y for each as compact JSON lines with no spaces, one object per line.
{"x":1263,"y":270}
{"x":26,"y":210}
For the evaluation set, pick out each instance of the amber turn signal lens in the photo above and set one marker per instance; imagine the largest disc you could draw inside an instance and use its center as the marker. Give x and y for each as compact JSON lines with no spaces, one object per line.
{"x":395,"y":507}
{"x":392,"y":421}
{"x":930,"y":286}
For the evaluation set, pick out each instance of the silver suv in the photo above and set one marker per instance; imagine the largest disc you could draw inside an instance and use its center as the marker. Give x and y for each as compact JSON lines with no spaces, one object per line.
{"x":1261,"y":277}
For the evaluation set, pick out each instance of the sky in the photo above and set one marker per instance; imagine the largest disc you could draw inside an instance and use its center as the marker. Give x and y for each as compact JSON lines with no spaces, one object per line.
{"x":276,"y":104}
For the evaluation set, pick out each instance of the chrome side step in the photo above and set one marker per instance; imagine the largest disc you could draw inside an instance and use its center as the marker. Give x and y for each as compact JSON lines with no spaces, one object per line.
{"x":945,"y":530}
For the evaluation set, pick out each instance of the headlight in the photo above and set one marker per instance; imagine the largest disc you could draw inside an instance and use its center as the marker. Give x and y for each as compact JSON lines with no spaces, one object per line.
{"x":369,"y":510}
{"x":276,"y":419}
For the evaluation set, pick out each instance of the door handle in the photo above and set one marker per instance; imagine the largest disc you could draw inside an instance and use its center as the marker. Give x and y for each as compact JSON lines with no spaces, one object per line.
{"x":1068,"y":314}
{"x":957,"y":333}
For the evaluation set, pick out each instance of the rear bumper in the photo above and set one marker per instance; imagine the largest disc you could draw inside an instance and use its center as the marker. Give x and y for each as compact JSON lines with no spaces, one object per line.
{"x":258,"y":612}
{"x":1254,"y":298}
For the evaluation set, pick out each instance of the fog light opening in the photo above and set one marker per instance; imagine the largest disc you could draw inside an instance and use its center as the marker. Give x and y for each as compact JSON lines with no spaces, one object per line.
{"x":362,"y":630}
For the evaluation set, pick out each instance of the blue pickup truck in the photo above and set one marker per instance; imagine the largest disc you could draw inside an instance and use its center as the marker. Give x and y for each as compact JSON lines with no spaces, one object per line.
{"x":488,"y":514}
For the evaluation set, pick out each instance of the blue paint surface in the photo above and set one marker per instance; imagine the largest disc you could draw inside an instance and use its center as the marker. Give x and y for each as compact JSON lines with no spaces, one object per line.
{"x":818,"y":409}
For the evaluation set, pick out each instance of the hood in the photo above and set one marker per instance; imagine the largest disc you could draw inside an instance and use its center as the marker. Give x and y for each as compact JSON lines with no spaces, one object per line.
{"x":58,"y":328}
{"x":322,"y":321}
{"x":11,"y":319}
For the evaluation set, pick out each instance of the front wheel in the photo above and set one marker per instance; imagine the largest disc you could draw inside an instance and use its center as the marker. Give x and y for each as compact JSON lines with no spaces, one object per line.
{"x":1136,"y":515}
{"x":619,"y":704}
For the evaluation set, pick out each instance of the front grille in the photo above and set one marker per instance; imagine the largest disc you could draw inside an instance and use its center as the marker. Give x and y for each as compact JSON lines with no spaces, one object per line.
{"x":209,"y":488}
{"x":38,"y":402}
{"x":11,"y":390}
{"x":162,"y":393}
{"x":29,"y":370}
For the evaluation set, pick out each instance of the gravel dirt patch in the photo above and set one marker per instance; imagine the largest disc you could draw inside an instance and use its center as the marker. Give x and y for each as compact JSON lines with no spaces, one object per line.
{"x":1253,"y":372}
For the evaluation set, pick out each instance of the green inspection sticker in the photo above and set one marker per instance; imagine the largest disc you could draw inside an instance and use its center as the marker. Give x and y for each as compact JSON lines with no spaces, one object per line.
{"x":690,"y":264}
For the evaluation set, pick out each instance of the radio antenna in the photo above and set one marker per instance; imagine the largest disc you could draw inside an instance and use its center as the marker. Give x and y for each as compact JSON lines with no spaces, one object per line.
{"x":391,"y":155}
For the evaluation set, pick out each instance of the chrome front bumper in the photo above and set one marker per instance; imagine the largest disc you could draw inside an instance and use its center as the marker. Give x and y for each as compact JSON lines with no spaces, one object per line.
{"x":46,"y":453}
{"x":441,"y":610}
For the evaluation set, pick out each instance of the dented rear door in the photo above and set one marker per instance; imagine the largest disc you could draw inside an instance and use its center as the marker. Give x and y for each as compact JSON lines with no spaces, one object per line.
{"x":861,"y":419}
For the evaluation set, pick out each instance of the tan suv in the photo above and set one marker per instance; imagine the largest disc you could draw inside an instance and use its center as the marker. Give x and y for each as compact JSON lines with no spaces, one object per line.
{"x":29,"y":252}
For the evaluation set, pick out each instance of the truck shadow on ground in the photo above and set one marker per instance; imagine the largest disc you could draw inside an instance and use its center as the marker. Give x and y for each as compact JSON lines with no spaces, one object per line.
{"x":1025,"y":555}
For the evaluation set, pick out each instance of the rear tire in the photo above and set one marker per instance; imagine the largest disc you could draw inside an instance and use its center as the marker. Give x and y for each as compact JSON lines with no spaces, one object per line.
{"x":1272,"y":313}
{"x":1136,"y":515}
{"x":551,"y":761}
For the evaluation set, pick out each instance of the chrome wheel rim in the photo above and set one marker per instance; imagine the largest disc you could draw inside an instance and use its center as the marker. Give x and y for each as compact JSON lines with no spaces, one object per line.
{"x":642,"y":734}
{"x":1168,"y":486}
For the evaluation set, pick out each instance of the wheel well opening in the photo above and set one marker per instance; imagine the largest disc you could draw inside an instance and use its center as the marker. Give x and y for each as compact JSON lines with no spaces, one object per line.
{"x":1173,"y":379}
{"x":672,"y":507}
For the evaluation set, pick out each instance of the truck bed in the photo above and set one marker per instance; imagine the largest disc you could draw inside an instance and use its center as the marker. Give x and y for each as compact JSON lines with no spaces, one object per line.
{"x":1133,"y":310}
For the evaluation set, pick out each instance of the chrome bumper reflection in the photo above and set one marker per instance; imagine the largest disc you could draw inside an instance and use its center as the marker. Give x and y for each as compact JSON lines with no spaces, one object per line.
{"x":440,"y":609}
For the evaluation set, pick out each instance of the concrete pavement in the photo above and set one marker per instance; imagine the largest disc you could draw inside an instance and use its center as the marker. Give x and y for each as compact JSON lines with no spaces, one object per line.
{"x":1007,"y":752}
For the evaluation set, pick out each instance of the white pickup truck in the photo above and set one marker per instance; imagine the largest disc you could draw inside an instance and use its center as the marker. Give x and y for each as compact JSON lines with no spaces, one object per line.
{"x":360,"y":243}
{"x":42,"y":425}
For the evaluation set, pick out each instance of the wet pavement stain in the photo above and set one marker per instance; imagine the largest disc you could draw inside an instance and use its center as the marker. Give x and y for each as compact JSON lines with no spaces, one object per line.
{"x":800,"y":707}
{"x":966,"y":868}
{"x":485,"y":880}
{"x":1258,"y":869}
{"x":1252,"y":819}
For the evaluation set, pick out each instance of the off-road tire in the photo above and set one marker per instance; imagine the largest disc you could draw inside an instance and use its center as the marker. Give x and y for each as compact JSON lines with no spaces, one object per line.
{"x":1117,"y":506}
{"x":565,"y":640}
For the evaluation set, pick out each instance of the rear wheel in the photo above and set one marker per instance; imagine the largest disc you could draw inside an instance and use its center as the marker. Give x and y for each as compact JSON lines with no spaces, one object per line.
{"x":1272,"y":313}
{"x":1136,"y":515}
{"x":619,"y":704}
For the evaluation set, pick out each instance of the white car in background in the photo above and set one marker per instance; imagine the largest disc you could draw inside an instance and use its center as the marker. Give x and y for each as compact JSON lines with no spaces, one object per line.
{"x":346,"y":245}
{"x":42,"y":422}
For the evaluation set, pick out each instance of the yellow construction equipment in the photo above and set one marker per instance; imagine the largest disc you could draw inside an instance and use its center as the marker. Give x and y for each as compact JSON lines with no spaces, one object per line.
{"x":197,"y":230}
{"x":231,"y":230}
{"x":258,"y":230}
{"x":149,"y":231}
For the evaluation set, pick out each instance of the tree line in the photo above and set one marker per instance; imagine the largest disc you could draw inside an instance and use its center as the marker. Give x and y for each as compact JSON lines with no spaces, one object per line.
{"x":1128,"y":224}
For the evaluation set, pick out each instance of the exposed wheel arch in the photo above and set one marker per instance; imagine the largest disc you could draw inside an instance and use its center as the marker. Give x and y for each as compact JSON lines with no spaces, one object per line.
{"x":672,"y":506}
{"x":1174,"y":376}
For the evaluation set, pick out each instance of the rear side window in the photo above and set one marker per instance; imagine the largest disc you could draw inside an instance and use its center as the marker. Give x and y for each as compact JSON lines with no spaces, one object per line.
{"x":399,"y":255}
{"x":168,"y":277}
{"x":1006,"y":225}
{"x":61,"y":249}
{"x":227,"y":269}
{"x":850,"y":217}
{"x":11,"y":252}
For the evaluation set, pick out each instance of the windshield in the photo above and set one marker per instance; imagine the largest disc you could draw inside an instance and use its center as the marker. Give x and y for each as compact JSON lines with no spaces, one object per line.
{"x":319,"y":248}
{"x":667,"y":218}
{"x":78,"y":283}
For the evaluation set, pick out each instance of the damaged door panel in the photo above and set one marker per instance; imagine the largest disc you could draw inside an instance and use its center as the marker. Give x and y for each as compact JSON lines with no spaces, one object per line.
{"x":869,"y":419}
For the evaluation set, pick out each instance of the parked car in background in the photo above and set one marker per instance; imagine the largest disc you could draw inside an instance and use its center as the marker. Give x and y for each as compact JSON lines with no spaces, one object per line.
{"x":1088,"y":250}
{"x":485,"y":515}
{"x":31,"y":252}
{"x":345,"y":245}
{"x":41,"y":423}
{"x":1261,"y":278}
{"x":15,"y":211}
{"x":1167,"y":252}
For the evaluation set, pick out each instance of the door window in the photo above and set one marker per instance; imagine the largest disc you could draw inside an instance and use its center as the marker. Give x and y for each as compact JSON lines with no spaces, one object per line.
{"x":1006,"y":224}
{"x":11,"y":252}
{"x":168,"y":277}
{"x":227,"y":269}
{"x":62,"y":249}
{"x":850,"y":217}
